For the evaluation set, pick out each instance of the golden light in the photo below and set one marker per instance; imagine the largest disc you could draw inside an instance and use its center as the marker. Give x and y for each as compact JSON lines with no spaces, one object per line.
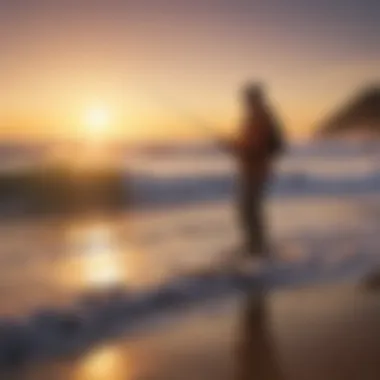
{"x":102,"y":266}
{"x":96,"y":260}
{"x":94,"y":135}
{"x":104,"y":364}
{"x":97,"y":122}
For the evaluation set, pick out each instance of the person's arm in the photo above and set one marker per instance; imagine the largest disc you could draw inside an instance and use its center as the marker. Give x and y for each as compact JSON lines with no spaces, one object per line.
{"x":228,"y":146}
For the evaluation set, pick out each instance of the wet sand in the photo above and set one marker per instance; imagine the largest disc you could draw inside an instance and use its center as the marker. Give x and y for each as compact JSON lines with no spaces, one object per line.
{"x":325,"y":332}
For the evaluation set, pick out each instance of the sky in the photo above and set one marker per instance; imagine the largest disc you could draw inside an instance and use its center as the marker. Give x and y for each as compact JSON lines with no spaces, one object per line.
{"x":160,"y":66}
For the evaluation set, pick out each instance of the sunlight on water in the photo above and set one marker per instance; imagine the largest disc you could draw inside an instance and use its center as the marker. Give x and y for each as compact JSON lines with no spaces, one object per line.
{"x":101,"y":262}
{"x":98,"y":256}
{"x":97,"y":262}
{"x":92,"y":157}
{"x":106,"y":363}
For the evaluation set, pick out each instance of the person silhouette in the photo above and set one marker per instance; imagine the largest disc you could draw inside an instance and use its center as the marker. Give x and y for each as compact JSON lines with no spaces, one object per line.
{"x":260,"y":141}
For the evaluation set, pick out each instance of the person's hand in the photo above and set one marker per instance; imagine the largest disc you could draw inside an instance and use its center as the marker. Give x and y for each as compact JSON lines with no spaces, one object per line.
{"x":225,"y":145}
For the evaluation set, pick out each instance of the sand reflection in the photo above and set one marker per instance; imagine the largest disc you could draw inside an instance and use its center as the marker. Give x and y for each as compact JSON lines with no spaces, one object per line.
{"x":104,"y":364}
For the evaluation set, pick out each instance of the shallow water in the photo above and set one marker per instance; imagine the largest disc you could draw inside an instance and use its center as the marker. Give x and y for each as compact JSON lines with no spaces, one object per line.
{"x":50,"y":262}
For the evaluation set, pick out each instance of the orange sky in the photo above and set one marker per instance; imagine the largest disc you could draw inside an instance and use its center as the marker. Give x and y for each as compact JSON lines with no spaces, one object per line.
{"x":153,"y":62}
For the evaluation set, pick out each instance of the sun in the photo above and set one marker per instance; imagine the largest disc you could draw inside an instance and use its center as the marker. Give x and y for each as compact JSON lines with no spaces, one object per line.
{"x":97,"y":122}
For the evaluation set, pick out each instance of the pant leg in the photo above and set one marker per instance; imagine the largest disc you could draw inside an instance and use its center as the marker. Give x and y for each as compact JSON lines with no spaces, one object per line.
{"x":252,"y":216}
{"x":256,"y":226}
{"x":246,"y":220}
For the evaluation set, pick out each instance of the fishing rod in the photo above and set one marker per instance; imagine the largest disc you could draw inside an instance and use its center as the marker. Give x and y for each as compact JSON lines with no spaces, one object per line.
{"x":196,"y":121}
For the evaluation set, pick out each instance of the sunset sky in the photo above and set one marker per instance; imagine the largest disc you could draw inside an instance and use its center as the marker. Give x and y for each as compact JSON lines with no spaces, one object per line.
{"x":150,"y":63}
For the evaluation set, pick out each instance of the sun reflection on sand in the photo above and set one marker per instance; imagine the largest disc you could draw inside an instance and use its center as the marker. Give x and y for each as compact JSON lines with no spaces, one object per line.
{"x":104,"y":364}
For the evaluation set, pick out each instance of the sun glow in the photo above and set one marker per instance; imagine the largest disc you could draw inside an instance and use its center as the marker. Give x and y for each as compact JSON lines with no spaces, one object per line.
{"x":97,"y":122}
{"x":94,"y":137}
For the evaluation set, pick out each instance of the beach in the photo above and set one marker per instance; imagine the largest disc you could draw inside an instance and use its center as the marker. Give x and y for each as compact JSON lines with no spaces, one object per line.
{"x":324,"y":232}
